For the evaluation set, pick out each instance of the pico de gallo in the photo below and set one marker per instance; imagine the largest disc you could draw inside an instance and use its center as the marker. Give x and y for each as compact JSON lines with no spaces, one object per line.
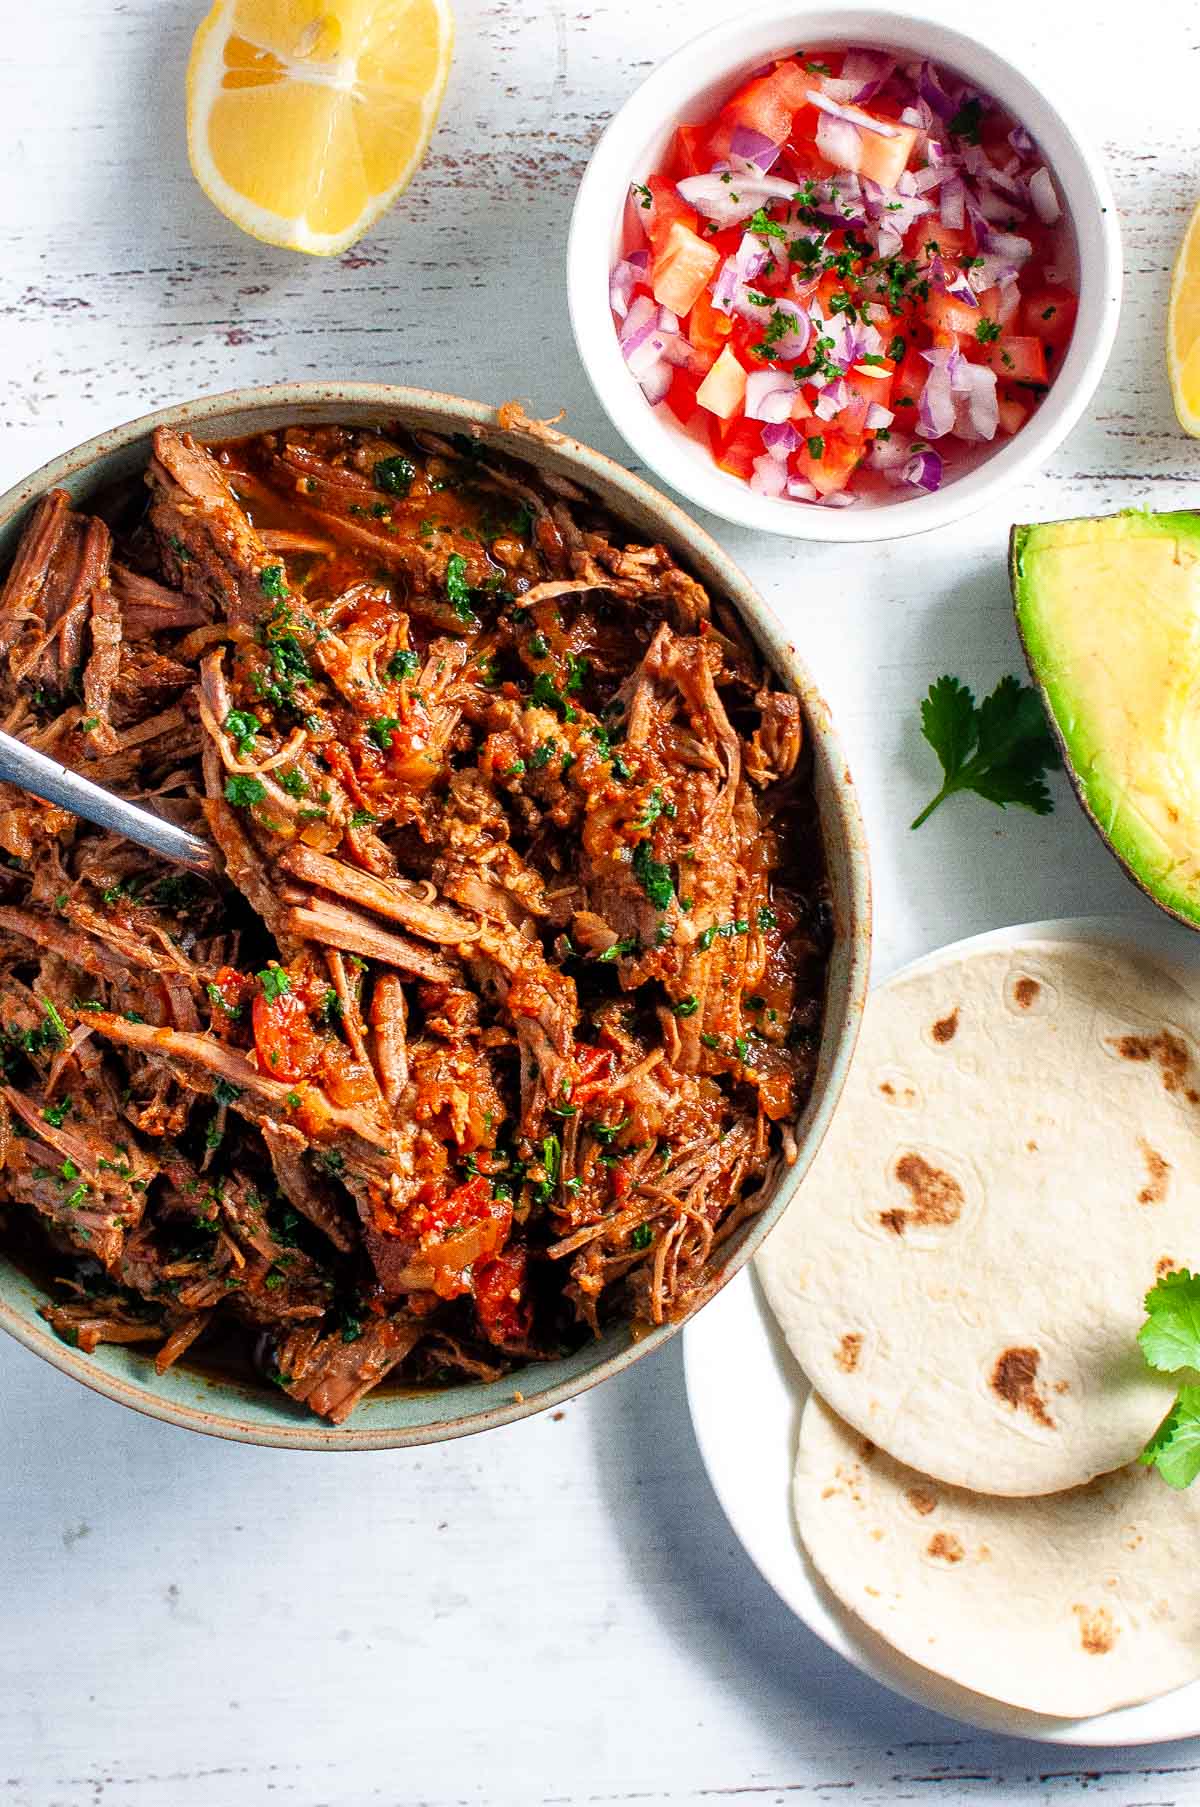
{"x":850,"y":277}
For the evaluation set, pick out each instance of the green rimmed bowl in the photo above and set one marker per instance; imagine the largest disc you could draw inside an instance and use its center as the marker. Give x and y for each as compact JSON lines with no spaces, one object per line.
{"x":395,"y":1418}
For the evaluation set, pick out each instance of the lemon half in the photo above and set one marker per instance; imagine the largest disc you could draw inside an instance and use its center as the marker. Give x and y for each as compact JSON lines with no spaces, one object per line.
{"x":306,"y":120}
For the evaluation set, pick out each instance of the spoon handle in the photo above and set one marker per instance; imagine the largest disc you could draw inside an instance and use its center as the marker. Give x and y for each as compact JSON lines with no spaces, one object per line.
{"x":55,"y":783}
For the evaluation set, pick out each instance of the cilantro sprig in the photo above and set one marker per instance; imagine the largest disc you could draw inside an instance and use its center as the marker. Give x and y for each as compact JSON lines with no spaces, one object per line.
{"x":1170,"y":1340}
{"x":1000,"y":748}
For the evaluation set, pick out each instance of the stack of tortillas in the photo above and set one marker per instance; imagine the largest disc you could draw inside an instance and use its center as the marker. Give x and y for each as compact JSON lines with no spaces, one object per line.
{"x":961,"y":1276}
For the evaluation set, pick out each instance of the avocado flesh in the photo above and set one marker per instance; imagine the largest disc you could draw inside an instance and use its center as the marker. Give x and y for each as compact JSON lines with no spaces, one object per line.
{"x":1109,"y":611}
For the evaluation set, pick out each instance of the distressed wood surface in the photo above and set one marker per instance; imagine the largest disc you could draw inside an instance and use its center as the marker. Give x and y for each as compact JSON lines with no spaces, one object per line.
{"x":557,"y":1613}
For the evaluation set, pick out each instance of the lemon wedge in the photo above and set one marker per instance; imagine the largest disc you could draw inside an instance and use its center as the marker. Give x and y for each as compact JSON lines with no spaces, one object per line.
{"x":1183,"y":329}
{"x":306,"y":118}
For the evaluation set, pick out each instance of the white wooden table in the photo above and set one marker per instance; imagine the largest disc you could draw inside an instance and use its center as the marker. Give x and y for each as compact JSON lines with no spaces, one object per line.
{"x":557,"y":1612}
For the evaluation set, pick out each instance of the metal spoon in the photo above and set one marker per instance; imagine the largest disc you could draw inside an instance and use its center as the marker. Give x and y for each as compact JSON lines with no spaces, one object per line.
{"x":55,"y":783}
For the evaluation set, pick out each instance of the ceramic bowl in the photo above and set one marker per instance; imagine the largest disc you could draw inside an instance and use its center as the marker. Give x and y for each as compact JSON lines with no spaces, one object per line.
{"x":689,"y":86}
{"x":263,"y":1415}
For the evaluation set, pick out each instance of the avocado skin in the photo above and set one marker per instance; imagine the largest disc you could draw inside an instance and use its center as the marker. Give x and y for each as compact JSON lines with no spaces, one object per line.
{"x":1183,"y":906}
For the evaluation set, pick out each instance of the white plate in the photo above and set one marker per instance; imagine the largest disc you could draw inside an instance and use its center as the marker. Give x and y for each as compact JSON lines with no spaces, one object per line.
{"x":746,"y":1394}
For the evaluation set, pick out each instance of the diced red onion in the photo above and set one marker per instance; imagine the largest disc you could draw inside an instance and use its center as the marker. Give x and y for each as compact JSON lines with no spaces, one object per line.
{"x":648,"y":349}
{"x":998,"y":209}
{"x":951,"y":281}
{"x":751,"y":256}
{"x":978,"y":412}
{"x":990,"y":270}
{"x":1021,"y":142}
{"x":878,"y":418}
{"x":1010,"y":300}
{"x":656,"y":382}
{"x":952,"y":203}
{"x":754,"y":147}
{"x":1043,"y":196}
{"x":801,"y":491}
{"x":929,"y":177}
{"x":780,"y":438}
{"x":769,"y":476}
{"x":838,"y":88}
{"x":867,"y":70}
{"x":935,"y":411}
{"x":840,"y":498}
{"x":641,"y":320}
{"x":832,"y":400}
{"x":914,"y":117}
{"x":727,"y":202}
{"x":932,"y":91}
{"x":725,"y":288}
{"x":624,"y":279}
{"x":769,"y":395}
{"x":890,"y":454}
{"x":1010,"y":186}
{"x":1011,"y":246}
{"x":923,"y":470}
{"x":790,"y":344}
{"x":839,"y":141}
{"x":851,"y":115}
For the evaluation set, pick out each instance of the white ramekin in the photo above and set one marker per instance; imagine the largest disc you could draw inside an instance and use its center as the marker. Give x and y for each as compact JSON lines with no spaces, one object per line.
{"x":687,"y":87}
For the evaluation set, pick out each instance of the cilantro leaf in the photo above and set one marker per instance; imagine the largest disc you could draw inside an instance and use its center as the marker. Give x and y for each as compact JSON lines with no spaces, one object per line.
{"x":652,"y":876}
{"x":1000,"y":749}
{"x":1174,"y":1449}
{"x":1170,"y":1337}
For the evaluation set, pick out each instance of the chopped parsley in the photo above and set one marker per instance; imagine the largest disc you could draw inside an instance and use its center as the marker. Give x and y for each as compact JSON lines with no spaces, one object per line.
{"x":380,"y":730}
{"x":274,"y":982}
{"x":402,"y":664}
{"x":642,"y":1237}
{"x":224,"y":1091}
{"x":652,"y":876}
{"x":966,"y":122}
{"x":244,"y":791}
{"x":816,"y":446}
{"x":987,"y":331}
{"x":394,"y":476}
{"x":458,"y":590}
{"x":686,"y":1006}
{"x":272,"y":582}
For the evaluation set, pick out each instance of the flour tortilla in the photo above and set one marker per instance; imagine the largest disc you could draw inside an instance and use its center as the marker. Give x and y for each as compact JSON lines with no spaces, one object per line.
{"x":1071,"y":1604}
{"x":1015,"y":1159}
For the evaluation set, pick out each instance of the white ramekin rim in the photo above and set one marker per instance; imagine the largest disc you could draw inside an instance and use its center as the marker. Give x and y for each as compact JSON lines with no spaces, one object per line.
{"x":715,"y":60}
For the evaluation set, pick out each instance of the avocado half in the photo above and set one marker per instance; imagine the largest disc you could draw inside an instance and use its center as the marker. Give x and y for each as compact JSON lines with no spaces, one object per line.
{"x":1109,"y":615}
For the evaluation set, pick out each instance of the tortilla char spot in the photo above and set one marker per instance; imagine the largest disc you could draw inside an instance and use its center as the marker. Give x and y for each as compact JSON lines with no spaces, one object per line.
{"x":1025,"y":991}
{"x":1166,"y":1049}
{"x":1032,"y":1147}
{"x":1097,"y":1633}
{"x":1166,"y":1264}
{"x":866,"y":1450}
{"x":1013,"y":1379}
{"x":848,"y":1351}
{"x":937,"y":1197}
{"x":888,"y":1089}
{"x":946,"y":1027}
{"x":921,"y":1501}
{"x":945,"y":1546}
{"x":1062,"y":1386}
{"x":1158,"y":1172}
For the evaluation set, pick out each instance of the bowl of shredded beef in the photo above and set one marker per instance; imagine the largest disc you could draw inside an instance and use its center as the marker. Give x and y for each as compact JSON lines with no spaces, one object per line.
{"x":535,"y":953}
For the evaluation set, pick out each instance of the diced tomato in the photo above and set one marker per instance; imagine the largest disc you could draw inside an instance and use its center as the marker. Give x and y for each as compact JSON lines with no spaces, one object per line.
{"x":827,"y":460}
{"x":707,"y":328}
{"x":951,"y":241}
{"x":1017,"y":359}
{"x":682,"y":267}
{"x":621,"y":1182}
{"x":909,"y":381}
{"x":947,"y":314}
{"x":1013,"y":414}
{"x":502,"y":1302}
{"x":692,"y":154}
{"x":736,"y":450}
{"x":288,"y":1046}
{"x":681,"y":396}
{"x":666,"y":210}
{"x":1049,"y":314}
{"x":724,"y":388}
{"x":231,"y":989}
{"x":865,"y":391}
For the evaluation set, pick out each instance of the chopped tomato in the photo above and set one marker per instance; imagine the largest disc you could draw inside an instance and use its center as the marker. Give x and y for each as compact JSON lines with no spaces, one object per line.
{"x":502,"y":1302}
{"x":1049,"y":314}
{"x":909,"y":381}
{"x":951,"y":241}
{"x":681,"y":269}
{"x":1013,"y":414}
{"x":666,"y":210}
{"x":692,"y":154}
{"x":594,"y":1066}
{"x":947,"y":314}
{"x":228,"y":993}
{"x":827,"y":460}
{"x":288,"y":1046}
{"x":1017,"y":359}
{"x":681,"y":396}
{"x":708,"y":328}
{"x":736,"y":450}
